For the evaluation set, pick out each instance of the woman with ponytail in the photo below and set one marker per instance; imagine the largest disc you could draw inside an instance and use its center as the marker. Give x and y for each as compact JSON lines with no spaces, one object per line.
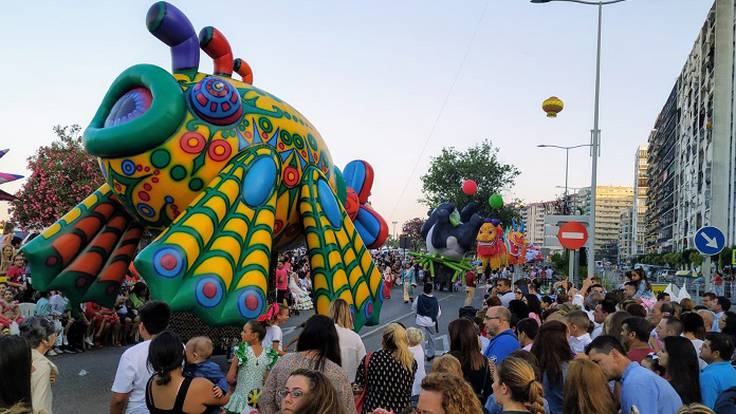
{"x":168,"y":387}
{"x":516,"y":387}
{"x":388,"y":374}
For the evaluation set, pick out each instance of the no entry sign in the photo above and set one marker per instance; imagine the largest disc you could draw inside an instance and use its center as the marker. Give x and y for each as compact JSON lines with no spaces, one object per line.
{"x":572,"y":235}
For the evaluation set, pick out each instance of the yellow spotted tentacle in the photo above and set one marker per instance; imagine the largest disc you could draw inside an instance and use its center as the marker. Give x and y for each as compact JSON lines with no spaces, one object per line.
{"x":214,"y":259}
{"x":340,"y":264}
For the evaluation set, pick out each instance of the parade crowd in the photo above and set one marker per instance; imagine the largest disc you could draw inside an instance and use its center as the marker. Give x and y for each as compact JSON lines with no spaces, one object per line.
{"x":537,"y":345}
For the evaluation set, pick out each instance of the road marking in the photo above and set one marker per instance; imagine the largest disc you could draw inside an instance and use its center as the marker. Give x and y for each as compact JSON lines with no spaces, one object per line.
{"x":288,"y":330}
{"x":380,"y":327}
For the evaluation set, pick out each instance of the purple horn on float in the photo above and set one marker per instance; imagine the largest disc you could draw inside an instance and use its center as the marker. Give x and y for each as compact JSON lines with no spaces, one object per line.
{"x":172,"y":27}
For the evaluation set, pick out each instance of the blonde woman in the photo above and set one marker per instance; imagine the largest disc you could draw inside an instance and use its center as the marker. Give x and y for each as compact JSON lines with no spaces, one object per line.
{"x":447,"y":394}
{"x":352,"y":349}
{"x":390,"y":373}
{"x":416,"y":337}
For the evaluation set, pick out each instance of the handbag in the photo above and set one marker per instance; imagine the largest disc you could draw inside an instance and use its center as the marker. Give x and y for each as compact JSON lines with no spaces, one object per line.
{"x":360,"y":397}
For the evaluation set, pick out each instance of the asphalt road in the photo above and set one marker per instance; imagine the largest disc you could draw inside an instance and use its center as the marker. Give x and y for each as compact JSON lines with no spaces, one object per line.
{"x":84,"y":381}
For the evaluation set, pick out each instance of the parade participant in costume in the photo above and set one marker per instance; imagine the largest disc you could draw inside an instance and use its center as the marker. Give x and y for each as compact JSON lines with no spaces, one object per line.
{"x":408,"y":280}
{"x":249,"y":368}
{"x":428,"y":311}
{"x":301,"y":298}
{"x":275,"y":316}
{"x":388,"y":282}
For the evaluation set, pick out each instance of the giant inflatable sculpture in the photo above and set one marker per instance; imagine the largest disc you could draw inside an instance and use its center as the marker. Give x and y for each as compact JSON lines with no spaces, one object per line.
{"x":449,"y":235}
{"x":491,"y":250}
{"x":230,"y":173}
{"x":516,"y":244}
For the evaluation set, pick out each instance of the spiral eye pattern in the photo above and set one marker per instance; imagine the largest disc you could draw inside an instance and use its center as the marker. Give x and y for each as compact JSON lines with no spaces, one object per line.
{"x":129,"y":107}
{"x":216,"y":101}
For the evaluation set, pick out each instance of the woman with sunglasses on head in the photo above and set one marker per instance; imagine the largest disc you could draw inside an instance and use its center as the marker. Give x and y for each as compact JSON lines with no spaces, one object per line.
{"x":309,"y":392}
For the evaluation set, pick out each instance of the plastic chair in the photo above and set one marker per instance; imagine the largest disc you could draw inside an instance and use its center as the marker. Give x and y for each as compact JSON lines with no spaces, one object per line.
{"x":27,"y":309}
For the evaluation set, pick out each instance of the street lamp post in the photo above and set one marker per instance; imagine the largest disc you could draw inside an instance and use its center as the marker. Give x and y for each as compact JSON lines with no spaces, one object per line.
{"x":596,"y":132}
{"x":567,"y":160}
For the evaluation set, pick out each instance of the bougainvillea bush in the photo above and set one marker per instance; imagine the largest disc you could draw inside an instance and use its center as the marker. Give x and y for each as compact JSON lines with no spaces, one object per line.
{"x":62,"y":175}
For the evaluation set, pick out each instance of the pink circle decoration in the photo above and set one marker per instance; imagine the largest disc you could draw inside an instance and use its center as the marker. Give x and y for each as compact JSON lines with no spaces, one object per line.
{"x":219,"y":151}
{"x":470,"y":187}
{"x":192,"y":142}
{"x":251,"y":302}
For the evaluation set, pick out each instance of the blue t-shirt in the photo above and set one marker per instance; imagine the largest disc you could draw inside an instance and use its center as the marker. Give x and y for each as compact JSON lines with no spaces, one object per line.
{"x":207,"y":369}
{"x":501,"y":346}
{"x":714,"y":379}
{"x":649,"y":392}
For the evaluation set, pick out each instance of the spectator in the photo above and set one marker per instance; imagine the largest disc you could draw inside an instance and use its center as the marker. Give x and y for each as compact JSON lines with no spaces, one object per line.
{"x":282,"y":283}
{"x":503,"y":291}
{"x":393,"y":361}
{"x":415,"y":338}
{"x":9,"y":310}
{"x":516,"y":387}
{"x":352,"y":349}
{"x":726,"y":402}
{"x":41,"y":336}
{"x":693,"y":328}
{"x":719,"y":375}
{"x":133,"y":373}
{"x":465,"y":347}
{"x":249,"y":368}
{"x":709,"y":319}
{"x":318,"y":349}
{"x":708,"y":299}
{"x":535,"y":307}
{"x":447,"y":394}
{"x":16,"y":366}
{"x":428,"y":312}
{"x":681,"y":367}
{"x":636,"y":309}
{"x":613,"y":324}
{"x":640,"y":387}
{"x":586,"y":389}
{"x":168,"y":384}
{"x":554,"y":354}
{"x":727,"y":324}
{"x":309,"y":391}
{"x":503,"y":341}
{"x":197,"y":363}
{"x":601,"y":311}
{"x":719,"y":307}
{"x":447,"y":364}
{"x":43,"y":307}
{"x":697,"y":409}
{"x":275,"y":316}
{"x":519,"y":310}
{"x":643,"y":289}
{"x":669,"y":326}
{"x":526,"y":331}
{"x":687,"y":305}
{"x":492,"y":407}
{"x":635,"y":333}
{"x":579,"y":338}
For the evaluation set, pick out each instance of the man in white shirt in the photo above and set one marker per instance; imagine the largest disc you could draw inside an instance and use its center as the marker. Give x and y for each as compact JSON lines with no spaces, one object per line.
{"x":129,"y":387}
{"x":504,"y":292}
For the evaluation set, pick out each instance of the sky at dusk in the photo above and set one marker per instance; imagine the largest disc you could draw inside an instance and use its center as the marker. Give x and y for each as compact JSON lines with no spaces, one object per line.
{"x":380,"y":79}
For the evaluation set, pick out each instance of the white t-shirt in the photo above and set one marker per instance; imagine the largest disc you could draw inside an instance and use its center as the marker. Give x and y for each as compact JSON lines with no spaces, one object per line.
{"x":132,"y":376}
{"x":352,"y":351}
{"x":273,"y":333}
{"x":418,"y":353}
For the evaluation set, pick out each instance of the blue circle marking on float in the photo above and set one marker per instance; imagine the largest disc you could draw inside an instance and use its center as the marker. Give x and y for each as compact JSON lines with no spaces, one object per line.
{"x":209,"y":291}
{"x":329,"y":204}
{"x":709,"y":240}
{"x":259,"y":182}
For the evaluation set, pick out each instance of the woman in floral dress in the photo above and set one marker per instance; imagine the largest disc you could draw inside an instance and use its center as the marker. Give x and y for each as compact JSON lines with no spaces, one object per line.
{"x":251,"y":365}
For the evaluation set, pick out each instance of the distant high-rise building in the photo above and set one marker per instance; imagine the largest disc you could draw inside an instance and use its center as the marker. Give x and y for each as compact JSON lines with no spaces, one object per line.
{"x":637,"y":244}
{"x":692,"y":149}
{"x":533,"y":217}
{"x":609,"y":203}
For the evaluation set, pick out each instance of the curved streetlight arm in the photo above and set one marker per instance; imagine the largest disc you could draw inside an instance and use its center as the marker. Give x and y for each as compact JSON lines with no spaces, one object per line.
{"x":590,"y":3}
{"x":562,"y":147}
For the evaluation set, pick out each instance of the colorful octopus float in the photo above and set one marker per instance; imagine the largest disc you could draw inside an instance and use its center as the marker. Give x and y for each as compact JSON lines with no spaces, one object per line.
{"x":231,"y":175}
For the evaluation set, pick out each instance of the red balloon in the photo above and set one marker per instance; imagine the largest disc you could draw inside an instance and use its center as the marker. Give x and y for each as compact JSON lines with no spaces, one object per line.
{"x":469,"y":187}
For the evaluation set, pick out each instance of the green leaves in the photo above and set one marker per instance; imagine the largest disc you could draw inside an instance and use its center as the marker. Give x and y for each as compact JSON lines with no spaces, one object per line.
{"x":443,"y":180}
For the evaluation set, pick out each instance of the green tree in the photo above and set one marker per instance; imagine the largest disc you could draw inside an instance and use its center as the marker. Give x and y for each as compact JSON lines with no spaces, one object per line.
{"x":443,"y":180}
{"x":62,"y":175}
{"x":413,"y":230}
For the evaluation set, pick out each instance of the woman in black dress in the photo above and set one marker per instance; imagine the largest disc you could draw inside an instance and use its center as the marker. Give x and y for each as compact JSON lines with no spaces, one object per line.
{"x":390,"y":374}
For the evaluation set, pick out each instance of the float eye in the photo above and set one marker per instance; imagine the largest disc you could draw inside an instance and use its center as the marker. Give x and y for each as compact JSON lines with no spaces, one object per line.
{"x":128,"y":107}
{"x":216,"y":101}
